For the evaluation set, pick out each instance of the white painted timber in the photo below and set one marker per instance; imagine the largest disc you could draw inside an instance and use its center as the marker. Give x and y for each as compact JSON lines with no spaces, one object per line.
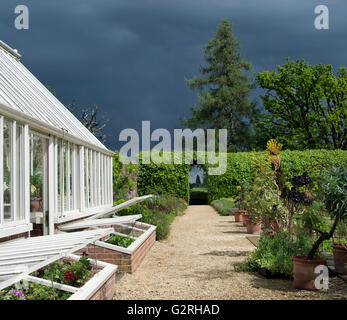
{"x":90,"y":287}
{"x":119,"y":207}
{"x":94,"y":223}
{"x":48,"y":283}
{"x":20,"y":258}
{"x":149,"y":229}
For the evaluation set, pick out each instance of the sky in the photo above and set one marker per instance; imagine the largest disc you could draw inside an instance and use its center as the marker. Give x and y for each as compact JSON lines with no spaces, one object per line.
{"x":130,"y":57}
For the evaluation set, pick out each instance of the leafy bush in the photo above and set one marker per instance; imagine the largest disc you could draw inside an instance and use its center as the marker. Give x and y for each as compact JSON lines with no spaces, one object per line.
{"x":241,"y":166}
{"x":159,"y":211}
{"x":124,"y":177}
{"x":223,"y":206}
{"x":119,"y":240}
{"x":333,"y":192}
{"x":67,"y":272}
{"x":275,"y":253}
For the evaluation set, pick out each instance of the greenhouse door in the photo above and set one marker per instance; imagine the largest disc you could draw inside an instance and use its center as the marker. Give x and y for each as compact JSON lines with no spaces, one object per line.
{"x":39,"y":209}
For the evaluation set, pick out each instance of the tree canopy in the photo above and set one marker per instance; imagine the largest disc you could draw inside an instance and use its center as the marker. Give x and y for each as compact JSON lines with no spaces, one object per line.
{"x":306,"y":105}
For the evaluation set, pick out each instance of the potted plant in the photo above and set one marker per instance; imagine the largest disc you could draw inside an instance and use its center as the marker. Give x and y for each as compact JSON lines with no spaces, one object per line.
{"x":36,"y":192}
{"x":263,"y":195}
{"x":333,"y":192}
{"x":239,"y":213}
{"x":253,"y":225}
{"x":340,"y":248}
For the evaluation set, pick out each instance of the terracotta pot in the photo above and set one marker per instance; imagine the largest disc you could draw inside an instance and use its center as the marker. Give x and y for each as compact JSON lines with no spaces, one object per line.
{"x":340,"y":258}
{"x":245,"y":216}
{"x":253,"y":229}
{"x":36,"y":205}
{"x":304,"y":275}
{"x":238,"y":214}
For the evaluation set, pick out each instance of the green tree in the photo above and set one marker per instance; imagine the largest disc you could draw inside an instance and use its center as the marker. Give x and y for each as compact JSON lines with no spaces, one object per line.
{"x":223,"y":90}
{"x":306,"y":105}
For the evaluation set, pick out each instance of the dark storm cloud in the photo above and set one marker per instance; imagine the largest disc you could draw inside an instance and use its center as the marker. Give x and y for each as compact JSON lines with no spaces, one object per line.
{"x":130,"y":57}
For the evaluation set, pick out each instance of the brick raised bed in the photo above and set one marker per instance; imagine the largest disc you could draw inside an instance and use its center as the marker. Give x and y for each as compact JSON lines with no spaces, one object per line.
{"x":127,"y":259}
{"x":101,"y":286}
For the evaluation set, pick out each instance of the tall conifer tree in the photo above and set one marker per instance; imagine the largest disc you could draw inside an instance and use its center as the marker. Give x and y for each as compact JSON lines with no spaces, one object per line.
{"x":223,"y":90}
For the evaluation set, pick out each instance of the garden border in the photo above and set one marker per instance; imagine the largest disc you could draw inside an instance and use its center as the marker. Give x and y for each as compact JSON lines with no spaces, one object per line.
{"x":91,"y":287}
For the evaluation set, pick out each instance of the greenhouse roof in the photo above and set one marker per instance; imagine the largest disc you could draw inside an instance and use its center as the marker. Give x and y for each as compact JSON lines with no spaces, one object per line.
{"x":21,"y":91}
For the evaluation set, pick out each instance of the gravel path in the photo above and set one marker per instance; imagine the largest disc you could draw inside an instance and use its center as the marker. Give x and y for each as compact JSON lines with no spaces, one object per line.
{"x":197,"y":262}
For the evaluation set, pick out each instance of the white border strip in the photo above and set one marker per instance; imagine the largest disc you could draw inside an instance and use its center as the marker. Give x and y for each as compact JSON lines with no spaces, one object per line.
{"x":132,"y":248}
{"x":120,"y":207}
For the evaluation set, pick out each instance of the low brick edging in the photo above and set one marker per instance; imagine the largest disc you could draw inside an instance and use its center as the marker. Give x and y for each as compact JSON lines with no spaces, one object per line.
{"x":107,"y":290}
{"x":126,"y":262}
{"x":13,"y":237}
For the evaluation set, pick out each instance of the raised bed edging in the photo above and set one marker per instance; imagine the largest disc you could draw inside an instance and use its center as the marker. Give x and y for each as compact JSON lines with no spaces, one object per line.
{"x":101,"y":286}
{"x":127,"y":259}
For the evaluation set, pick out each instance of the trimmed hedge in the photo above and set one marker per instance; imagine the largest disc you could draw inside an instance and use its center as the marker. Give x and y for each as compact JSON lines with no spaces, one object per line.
{"x":240,"y":168}
{"x":173,"y":179}
{"x":170,"y":179}
{"x":296,"y":162}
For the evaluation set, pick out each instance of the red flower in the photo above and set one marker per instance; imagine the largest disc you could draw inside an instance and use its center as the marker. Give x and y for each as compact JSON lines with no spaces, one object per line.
{"x":68,"y":275}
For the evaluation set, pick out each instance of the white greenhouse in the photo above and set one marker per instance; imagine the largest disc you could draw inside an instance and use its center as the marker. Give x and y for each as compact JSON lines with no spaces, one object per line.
{"x":52,"y":169}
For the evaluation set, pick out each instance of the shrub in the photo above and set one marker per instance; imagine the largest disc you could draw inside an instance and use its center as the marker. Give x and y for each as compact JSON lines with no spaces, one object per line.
{"x":223,"y":206}
{"x":275,"y":253}
{"x":333,"y":191}
{"x":159,"y":211}
{"x":124,"y":177}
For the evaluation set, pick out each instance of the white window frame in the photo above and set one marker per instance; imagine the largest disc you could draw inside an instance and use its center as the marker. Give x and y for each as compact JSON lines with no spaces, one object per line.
{"x":90,"y":182}
{"x":22,"y":225}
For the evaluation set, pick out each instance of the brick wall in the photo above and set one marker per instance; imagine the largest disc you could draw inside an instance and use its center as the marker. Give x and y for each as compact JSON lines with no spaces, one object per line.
{"x":107,"y":290}
{"x":16,"y":236}
{"x":125,"y":262}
